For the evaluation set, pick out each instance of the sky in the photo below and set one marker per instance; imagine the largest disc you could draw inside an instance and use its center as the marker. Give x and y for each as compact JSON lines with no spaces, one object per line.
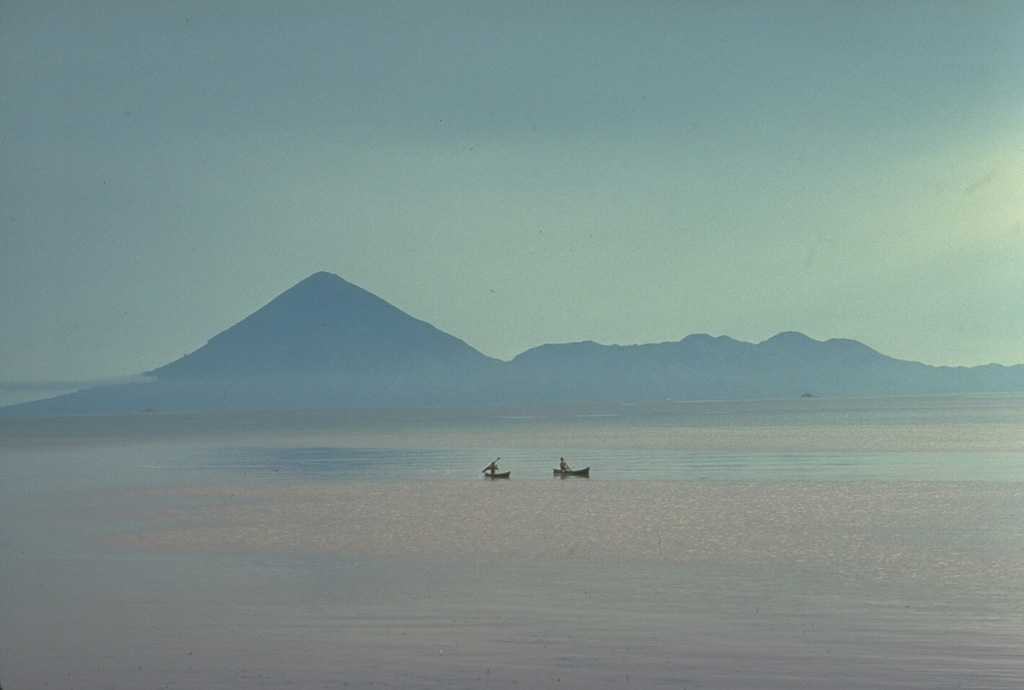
{"x":514,"y":173}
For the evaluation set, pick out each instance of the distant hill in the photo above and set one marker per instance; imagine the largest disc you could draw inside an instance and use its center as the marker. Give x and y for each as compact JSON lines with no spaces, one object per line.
{"x":701,"y":367}
{"x":328,"y":343}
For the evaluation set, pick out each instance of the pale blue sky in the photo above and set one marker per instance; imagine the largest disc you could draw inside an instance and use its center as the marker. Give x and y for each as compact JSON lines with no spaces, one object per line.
{"x":515,"y":173}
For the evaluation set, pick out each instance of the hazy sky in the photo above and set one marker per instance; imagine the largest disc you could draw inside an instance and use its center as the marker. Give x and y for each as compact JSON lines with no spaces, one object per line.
{"x":514,"y":173}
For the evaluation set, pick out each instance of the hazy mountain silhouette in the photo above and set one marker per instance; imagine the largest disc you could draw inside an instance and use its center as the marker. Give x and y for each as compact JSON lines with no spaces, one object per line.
{"x":322,"y":343}
{"x":704,"y":367}
{"x":325,"y":326}
{"x":328,"y":343}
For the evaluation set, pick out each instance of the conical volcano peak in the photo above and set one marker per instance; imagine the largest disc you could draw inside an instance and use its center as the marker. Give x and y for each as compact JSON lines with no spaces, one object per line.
{"x":324,"y":285}
{"x":323,"y":326}
{"x":322,"y":296}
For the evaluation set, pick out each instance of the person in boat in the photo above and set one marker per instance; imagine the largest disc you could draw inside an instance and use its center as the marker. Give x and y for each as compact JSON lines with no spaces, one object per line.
{"x":492,"y":468}
{"x":563,"y":465}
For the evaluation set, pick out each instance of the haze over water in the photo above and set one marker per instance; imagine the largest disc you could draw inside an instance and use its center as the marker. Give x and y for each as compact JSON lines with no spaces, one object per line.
{"x":793,"y":544}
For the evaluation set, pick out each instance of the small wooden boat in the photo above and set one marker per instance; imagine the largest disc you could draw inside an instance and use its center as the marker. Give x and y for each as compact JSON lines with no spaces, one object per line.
{"x":498,"y":475}
{"x":585,"y":472}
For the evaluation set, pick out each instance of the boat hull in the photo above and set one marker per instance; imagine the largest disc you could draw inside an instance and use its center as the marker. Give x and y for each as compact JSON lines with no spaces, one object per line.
{"x":498,"y":475}
{"x":585,"y":472}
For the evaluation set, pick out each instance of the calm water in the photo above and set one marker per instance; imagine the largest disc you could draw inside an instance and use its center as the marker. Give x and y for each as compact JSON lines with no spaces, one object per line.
{"x":808,"y":543}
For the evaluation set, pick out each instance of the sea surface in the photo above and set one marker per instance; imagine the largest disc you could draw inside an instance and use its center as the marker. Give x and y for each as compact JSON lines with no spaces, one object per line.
{"x":807,"y":543}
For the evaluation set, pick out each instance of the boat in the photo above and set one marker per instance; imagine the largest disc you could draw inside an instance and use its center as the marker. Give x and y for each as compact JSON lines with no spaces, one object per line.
{"x":585,"y":472}
{"x":498,"y":475}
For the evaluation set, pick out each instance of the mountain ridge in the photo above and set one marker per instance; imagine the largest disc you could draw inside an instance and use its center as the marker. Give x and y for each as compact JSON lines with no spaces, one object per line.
{"x":326,"y":342}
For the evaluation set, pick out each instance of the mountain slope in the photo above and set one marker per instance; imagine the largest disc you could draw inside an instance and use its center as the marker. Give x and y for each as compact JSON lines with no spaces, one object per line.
{"x":322,"y":343}
{"x":704,"y":367}
{"x":325,"y":326}
{"x":328,"y":343}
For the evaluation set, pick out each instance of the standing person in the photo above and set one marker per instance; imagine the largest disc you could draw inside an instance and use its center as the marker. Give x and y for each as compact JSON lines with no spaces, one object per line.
{"x":492,"y":468}
{"x":563,"y":465}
